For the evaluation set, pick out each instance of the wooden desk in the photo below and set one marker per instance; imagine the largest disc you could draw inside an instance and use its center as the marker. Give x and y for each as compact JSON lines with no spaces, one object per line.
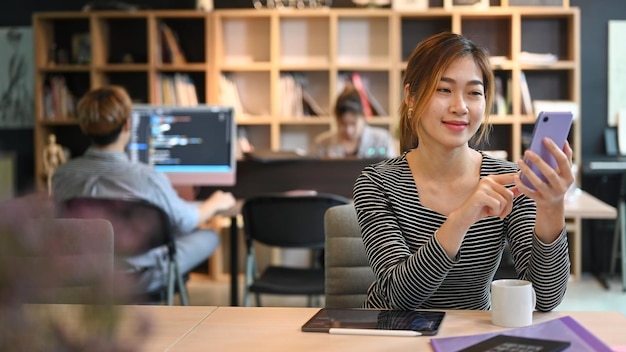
{"x":614,"y":165}
{"x":579,"y":207}
{"x":168,"y":324}
{"x":196,"y":328}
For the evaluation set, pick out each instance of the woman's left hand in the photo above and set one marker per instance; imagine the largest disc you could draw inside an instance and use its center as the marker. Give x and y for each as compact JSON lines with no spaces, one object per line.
{"x":552,"y":192}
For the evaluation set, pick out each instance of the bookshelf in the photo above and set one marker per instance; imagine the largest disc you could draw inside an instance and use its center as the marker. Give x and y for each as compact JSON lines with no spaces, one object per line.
{"x":254,"y":50}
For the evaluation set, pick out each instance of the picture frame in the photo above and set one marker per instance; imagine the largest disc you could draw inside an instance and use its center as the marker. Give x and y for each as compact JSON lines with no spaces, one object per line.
{"x":466,"y":4}
{"x":409,"y":5}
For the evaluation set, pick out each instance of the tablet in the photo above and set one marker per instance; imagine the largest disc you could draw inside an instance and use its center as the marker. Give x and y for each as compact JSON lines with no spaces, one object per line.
{"x":409,"y":322}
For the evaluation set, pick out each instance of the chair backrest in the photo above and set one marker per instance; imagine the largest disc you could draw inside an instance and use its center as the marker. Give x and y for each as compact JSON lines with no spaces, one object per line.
{"x":139,"y":225}
{"x":290,"y":219}
{"x":348,"y":272}
{"x":59,"y":260}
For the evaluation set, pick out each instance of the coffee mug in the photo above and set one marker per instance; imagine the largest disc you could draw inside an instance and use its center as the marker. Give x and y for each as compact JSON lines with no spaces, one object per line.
{"x":512,"y":303}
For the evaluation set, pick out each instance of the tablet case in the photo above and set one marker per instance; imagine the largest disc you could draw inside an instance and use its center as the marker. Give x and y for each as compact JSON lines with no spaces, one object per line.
{"x":425,"y":322}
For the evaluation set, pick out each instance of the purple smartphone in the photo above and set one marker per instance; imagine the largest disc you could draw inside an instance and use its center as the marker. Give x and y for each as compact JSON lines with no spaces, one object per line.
{"x":554,"y":125}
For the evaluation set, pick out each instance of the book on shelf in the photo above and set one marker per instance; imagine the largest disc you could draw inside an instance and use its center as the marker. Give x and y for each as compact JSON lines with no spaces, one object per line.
{"x":295,"y":99}
{"x":527,"y":103}
{"x":499,"y":102}
{"x":170,"y":49}
{"x":59,"y":102}
{"x":176,"y":89}
{"x":560,"y":329}
{"x":357,"y":81}
{"x":526,"y":57}
{"x":229,"y":95}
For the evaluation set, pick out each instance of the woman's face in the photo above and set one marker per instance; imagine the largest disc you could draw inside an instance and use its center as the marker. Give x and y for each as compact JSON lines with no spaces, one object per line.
{"x":456,"y":110}
{"x":350,"y":126}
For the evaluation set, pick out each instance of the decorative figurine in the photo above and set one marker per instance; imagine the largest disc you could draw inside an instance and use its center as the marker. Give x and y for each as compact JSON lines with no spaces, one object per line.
{"x":53,"y":157}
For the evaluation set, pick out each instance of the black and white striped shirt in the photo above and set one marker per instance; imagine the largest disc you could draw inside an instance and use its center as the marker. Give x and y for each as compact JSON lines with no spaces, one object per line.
{"x":412,"y":269}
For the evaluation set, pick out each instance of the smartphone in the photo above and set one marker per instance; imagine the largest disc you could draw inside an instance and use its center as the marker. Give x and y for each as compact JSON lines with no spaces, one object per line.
{"x":554,"y":125}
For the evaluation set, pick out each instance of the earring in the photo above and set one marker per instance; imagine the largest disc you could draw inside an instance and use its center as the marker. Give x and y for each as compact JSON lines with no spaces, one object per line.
{"x":410,"y":112}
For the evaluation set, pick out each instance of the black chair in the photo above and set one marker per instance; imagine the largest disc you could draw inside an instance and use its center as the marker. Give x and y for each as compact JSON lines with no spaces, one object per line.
{"x":286,"y":220}
{"x":139,"y":226}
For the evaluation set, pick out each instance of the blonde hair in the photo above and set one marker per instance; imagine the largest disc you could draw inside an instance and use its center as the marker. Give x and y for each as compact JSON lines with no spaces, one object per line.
{"x":425,"y":67}
{"x":104,"y":110}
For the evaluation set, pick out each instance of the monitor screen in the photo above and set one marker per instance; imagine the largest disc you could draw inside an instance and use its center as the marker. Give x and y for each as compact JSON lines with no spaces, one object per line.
{"x":191,"y":145}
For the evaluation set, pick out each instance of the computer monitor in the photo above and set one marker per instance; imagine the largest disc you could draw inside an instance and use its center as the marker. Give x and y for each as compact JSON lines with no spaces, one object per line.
{"x":191,"y":145}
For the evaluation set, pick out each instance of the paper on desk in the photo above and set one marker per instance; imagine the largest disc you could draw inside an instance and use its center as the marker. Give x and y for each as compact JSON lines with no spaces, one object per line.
{"x":563,"y":329}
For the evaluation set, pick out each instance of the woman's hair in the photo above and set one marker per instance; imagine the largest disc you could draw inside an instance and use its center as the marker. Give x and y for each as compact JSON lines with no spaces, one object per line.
{"x":102,"y":113}
{"x":426,"y":64}
{"x":348,"y":101}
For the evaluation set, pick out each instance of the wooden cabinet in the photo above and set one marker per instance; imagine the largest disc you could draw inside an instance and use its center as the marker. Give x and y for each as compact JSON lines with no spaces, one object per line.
{"x":261,"y":52}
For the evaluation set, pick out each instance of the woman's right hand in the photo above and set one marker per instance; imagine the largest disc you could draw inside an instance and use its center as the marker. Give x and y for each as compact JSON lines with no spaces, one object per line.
{"x":491,"y":197}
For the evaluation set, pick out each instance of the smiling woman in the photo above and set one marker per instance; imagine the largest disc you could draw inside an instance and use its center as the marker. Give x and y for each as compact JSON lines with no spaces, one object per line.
{"x":435,"y":220}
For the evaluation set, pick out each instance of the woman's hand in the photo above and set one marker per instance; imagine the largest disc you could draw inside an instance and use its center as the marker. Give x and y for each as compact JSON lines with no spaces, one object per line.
{"x":552,"y":192}
{"x":490,"y":197}
{"x":550,"y":195}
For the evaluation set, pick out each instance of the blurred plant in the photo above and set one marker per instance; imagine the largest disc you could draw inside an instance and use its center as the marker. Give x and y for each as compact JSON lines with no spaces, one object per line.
{"x":28,"y":326}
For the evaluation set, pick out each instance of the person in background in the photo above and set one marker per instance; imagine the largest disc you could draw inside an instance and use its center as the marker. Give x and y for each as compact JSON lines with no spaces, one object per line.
{"x":106,"y":171}
{"x":435,"y":220}
{"x":354,"y":138}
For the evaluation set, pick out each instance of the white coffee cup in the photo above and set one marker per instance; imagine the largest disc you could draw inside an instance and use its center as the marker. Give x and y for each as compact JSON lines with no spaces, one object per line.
{"x":512,"y":303}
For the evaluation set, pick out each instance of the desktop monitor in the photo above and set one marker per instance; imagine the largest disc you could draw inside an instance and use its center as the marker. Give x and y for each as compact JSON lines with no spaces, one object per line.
{"x":193,"y":146}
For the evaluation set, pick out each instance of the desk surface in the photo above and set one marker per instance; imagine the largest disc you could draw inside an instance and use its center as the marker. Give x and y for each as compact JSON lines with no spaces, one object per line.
{"x":198,"y":328}
{"x":584,"y":205}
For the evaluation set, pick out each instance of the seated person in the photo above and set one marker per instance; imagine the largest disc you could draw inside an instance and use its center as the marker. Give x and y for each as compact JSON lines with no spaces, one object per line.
{"x":105,"y":171}
{"x":435,"y":220}
{"x":354,"y":137}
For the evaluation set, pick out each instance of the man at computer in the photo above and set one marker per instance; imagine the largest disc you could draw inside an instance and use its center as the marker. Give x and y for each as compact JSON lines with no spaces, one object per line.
{"x":105,"y":171}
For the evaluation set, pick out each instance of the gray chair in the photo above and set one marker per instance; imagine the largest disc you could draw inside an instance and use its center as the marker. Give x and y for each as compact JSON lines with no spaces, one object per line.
{"x":58,"y":260}
{"x":348,"y":274}
{"x":139,"y":226}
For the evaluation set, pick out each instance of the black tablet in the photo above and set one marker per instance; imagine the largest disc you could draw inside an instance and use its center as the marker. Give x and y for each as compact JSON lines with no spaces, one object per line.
{"x":353,"y":320}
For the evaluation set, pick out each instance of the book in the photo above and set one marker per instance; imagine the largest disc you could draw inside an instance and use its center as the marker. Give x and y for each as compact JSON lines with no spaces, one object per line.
{"x":170,"y":42}
{"x":527,"y":104}
{"x":505,"y":343}
{"x":357,"y":81}
{"x":560,"y":329}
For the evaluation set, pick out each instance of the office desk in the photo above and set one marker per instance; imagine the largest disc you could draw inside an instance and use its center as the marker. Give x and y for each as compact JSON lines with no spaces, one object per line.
{"x":273,"y":329}
{"x":578,"y":207}
{"x":613,"y":165}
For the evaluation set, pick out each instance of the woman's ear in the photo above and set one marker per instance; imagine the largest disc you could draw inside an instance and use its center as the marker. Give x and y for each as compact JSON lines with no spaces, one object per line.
{"x":408,"y":98}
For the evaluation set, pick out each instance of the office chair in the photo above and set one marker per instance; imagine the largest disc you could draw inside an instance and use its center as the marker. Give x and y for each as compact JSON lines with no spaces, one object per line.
{"x":139,"y":226}
{"x":286,"y":220}
{"x":62,"y":261}
{"x":348,"y":272}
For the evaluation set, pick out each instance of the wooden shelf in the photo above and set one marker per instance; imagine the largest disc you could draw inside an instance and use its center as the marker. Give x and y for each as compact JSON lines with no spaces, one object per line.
{"x":255,"y":48}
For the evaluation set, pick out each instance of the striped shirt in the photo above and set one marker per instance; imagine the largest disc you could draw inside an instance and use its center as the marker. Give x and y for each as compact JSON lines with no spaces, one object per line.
{"x":101,"y":173}
{"x":412,"y":269}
